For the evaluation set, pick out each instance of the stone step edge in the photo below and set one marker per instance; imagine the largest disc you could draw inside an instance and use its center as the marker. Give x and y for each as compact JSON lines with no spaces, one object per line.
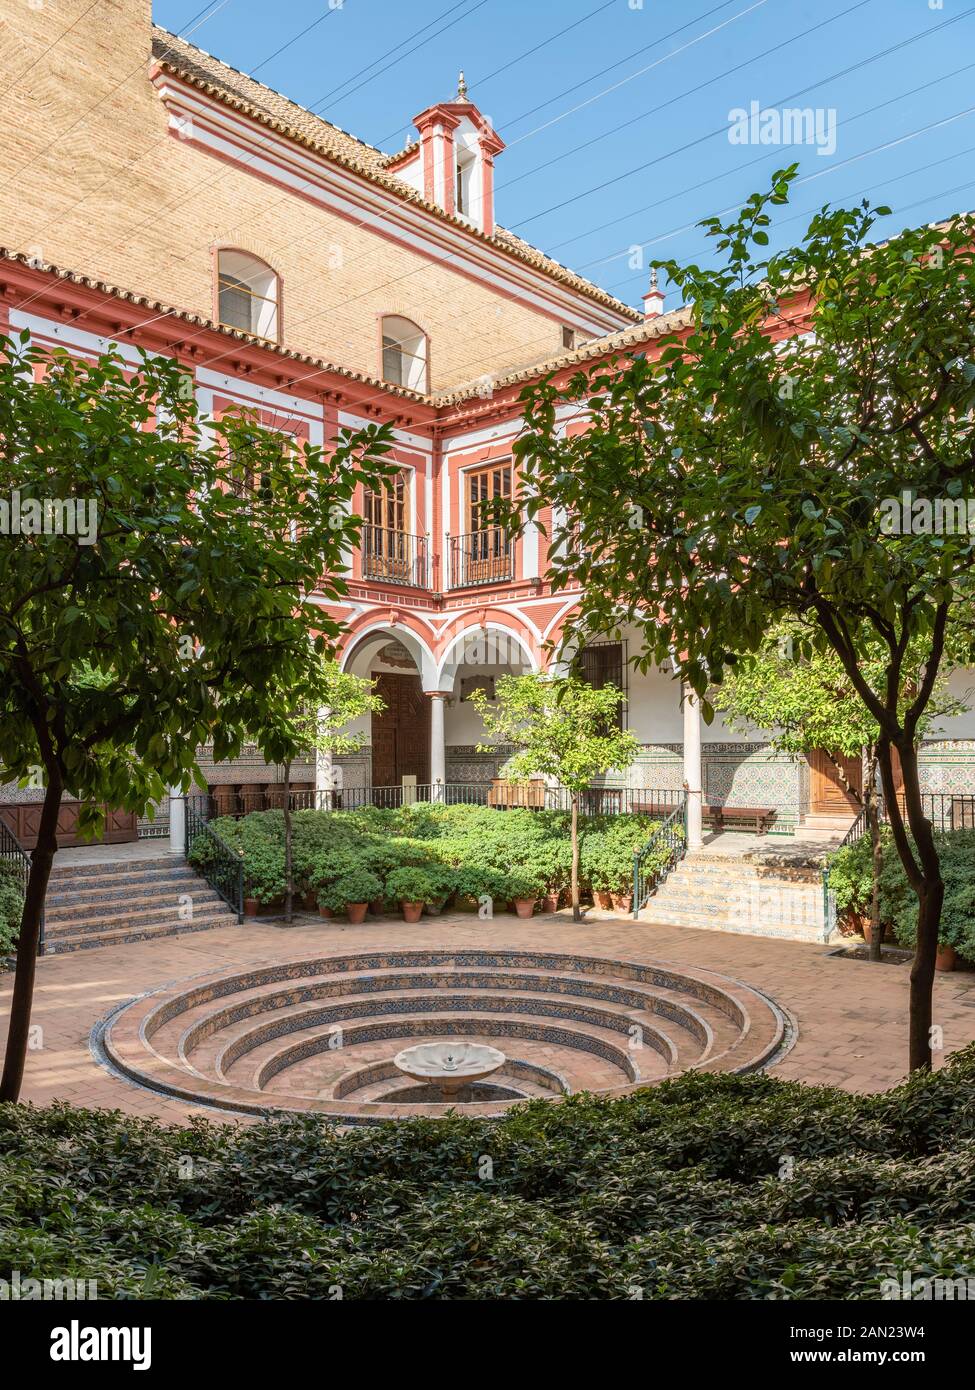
{"x":61,"y":945}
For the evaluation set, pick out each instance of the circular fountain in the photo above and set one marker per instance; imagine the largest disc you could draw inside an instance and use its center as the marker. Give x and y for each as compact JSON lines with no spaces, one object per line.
{"x":451,"y":1066}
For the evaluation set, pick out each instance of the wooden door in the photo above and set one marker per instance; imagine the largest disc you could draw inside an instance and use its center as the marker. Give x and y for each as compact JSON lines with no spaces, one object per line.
{"x":827,"y":794}
{"x":401,"y":731}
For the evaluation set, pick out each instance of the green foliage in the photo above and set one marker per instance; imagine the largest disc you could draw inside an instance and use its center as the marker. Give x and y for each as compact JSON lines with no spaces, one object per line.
{"x":11,"y":905}
{"x":850,"y":879}
{"x":471,"y":850}
{"x":183,"y":621}
{"x":607,"y":852}
{"x":805,"y":700}
{"x":414,"y":886}
{"x":355,"y":886}
{"x":851,"y":876}
{"x":563,"y":728}
{"x":675,"y":1191}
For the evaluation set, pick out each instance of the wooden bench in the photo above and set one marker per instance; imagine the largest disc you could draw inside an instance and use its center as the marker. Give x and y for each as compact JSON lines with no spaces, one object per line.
{"x":757,"y":818}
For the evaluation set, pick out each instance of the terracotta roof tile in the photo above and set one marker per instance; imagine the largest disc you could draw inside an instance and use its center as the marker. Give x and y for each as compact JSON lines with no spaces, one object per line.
{"x":643,"y":332}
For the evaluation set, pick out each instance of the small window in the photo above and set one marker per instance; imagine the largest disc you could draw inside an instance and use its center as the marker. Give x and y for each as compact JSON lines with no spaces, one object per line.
{"x":568,"y":338}
{"x":601,"y":664}
{"x":404,"y":353}
{"x":463,"y":185}
{"x":248,"y":292}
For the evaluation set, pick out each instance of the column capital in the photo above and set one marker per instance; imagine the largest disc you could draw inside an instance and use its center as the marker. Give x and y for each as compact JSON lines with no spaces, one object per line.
{"x":438,"y":694}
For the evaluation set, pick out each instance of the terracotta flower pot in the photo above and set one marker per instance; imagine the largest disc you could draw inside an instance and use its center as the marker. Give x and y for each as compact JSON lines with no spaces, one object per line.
{"x":310,"y":901}
{"x":356,"y":912}
{"x":622,"y":902}
{"x":326,"y":912}
{"x":412,"y":912}
{"x":604,"y":901}
{"x":866,"y":927}
{"x":377,"y":907}
{"x":524,"y":906}
{"x":251,"y":907}
{"x":550,"y":902}
{"x":946,"y":959}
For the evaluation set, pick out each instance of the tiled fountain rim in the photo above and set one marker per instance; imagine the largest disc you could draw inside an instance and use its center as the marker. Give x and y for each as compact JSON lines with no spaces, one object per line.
{"x":154,"y":1072}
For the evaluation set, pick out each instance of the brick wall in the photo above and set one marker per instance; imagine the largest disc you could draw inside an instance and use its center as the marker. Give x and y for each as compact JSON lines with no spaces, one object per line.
{"x":155,"y":205}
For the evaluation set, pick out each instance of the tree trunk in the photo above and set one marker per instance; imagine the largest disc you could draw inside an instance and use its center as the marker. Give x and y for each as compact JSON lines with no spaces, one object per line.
{"x":289,"y":883}
{"x":576,"y":914}
{"x":872,"y":812}
{"x":41,"y":859}
{"x":924,"y":874}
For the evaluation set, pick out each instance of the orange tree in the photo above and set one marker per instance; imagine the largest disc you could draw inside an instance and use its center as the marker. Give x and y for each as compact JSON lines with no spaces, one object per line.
{"x":154,"y":568}
{"x":746,"y":472}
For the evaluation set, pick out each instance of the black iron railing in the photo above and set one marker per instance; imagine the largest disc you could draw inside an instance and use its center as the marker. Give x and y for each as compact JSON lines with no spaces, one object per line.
{"x":481,"y":557}
{"x":212,"y":857}
{"x":666,"y":846}
{"x":614,"y":801}
{"x":657,"y":802}
{"x":13,"y":853}
{"x":395,"y":557}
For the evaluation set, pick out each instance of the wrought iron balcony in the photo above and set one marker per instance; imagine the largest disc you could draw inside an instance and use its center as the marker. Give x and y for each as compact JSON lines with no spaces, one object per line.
{"x":395,"y":557}
{"x":481,"y":557}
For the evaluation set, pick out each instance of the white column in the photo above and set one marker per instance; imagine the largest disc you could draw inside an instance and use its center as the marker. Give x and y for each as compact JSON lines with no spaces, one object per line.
{"x":692,"y":768}
{"x":438,"y":743}
{"x":323,"y":766}
{"x":177,"y":821}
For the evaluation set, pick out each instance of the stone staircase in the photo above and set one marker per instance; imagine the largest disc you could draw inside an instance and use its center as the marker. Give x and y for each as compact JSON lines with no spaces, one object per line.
{"x":108,"y":903}
{"x":759,"y":895}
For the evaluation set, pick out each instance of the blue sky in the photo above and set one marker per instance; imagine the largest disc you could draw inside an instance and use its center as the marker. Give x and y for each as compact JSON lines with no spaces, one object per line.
{"x":695,"y":60}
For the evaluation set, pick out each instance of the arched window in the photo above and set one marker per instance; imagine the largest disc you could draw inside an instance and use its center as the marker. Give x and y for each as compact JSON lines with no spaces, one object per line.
{"x":404,"y":353}
{"x":247,"y":294}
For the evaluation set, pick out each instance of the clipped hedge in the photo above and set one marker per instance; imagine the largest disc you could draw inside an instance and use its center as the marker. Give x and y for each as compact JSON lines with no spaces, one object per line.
{"x":706,"y":1187}
{"x":471,"y":850}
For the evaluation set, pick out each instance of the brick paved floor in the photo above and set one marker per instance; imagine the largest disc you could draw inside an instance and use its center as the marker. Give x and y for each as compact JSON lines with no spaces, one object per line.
{"x":851,"y":1014}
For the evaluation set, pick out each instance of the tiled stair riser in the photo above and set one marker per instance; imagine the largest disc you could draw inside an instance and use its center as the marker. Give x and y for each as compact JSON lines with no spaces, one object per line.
{"x":110,"y":904}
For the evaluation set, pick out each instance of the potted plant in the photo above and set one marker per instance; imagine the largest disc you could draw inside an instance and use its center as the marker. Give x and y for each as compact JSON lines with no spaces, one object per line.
{"x":524,"y":890}
{"x":263,"y":875}
{"x":354,"y":890}
{"x":412,"y":888}
{"x":444,"y":881}
{"x":596,"y":868}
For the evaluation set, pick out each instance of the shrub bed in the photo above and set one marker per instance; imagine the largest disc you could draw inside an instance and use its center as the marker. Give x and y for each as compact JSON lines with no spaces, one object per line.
{"x":850,"y":879}
{"x":706,"y":1187}
{"x":467,"y":851}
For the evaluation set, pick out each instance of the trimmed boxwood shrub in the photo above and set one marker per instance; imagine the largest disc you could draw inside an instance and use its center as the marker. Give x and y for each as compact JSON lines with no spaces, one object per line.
{"x":413,"y":886}
{"x":356,"y":886}
{"x":680,"y":1191}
